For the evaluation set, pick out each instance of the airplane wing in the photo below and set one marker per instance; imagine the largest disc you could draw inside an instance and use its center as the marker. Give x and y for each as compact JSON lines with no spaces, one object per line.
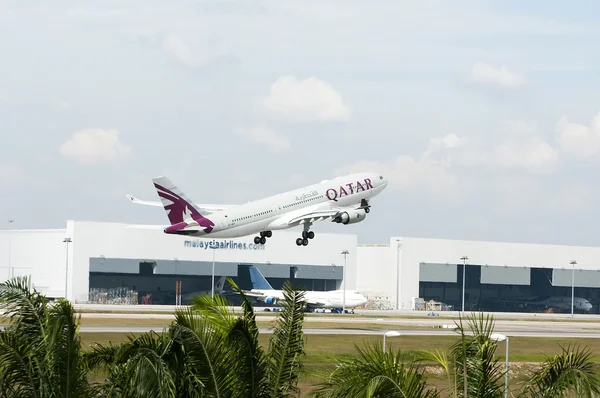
{"x":322,"y":214}
{"x":248,"y":293}
{"x":202,"y":208}
{"x":313,"y":216}
{"x":316,"y":303}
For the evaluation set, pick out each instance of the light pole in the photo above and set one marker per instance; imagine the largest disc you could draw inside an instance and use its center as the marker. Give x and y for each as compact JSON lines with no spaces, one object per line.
{"x":501,"y":337}
{"x":212,"y":284}
{"x":389,"y":334}
{"x":464,"y":258}
{"x":398,"y":246}
{"x":11,"y":273}
{"x":345,"y":253}
{"x":67,"y":241}
{"x":573,"y":287}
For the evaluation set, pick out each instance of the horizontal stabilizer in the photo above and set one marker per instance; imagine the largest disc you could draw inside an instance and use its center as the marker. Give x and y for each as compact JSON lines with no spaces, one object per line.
{"x":202,"y":208}
{"x":137,"y":201}
{"x":141,"y":226}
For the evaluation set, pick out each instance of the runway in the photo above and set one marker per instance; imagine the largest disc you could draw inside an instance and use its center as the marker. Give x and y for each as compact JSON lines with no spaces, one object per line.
{"x":550,"y":333}
{"x":165,"y":309}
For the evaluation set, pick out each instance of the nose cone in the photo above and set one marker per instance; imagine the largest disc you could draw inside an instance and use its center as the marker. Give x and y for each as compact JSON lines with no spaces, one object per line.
{"x":380,"y":181}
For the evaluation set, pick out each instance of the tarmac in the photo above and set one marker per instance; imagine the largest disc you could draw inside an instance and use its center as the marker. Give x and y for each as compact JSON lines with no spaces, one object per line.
{"x":512,"y":332}
{"x":368,"y":322}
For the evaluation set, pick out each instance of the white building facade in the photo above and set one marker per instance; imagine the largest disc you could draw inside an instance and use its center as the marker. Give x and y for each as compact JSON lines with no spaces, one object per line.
{"x":115,"y":256}
{"x":111,"y":255}
{"x":431,"y":269}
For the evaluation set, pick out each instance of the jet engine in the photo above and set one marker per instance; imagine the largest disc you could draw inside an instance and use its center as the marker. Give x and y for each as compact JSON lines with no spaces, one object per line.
{"x":271,"y":300}
{"x":350,"y":216}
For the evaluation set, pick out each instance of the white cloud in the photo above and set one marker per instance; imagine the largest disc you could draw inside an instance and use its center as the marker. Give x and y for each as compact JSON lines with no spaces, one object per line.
{"x":435,"y":168}
{"x":521,"y":148}
{"x":305,"y":100}
{"x":484,"y":73}
{"x":577,"y":139}
{"x":91,"y":146}
{"x":532,"y":154}
{"x":275,"y":142}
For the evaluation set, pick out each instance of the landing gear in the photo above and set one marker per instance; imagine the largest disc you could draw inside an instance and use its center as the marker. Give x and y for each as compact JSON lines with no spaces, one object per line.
{"x":365,"y":205}
{"x":306,"y":235}
{"x":301,"y":242}
{"x":262,"y":239}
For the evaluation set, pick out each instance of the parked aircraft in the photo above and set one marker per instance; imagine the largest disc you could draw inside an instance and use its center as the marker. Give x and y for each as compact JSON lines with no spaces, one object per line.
{"x":343,"y":200}
{"x":219,"y":287}
{"x":262,"y":290}
{"x":561,"y":303}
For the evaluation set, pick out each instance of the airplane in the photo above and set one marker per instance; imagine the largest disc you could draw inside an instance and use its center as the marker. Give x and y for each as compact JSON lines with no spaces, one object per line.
{"x":219,"y":288}
{"x":263,"y":291}
{"x":555,"y":302}
{"x":343,"y":200}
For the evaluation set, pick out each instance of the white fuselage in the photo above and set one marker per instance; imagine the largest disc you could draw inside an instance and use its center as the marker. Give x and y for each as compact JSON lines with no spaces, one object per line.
{"x":276,"y":212}
{"x":326,"y":299}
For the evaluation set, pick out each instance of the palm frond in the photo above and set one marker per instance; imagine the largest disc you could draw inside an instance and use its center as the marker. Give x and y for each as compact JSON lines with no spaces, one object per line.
{"x":205,"y":360}
{"x":22,"y":305}
{"x":17,"y":372}
{"x":286,"y":346}
{"x":446,"y":362}
{"x":477,"y":371}
{"x":573,"y":370}
{"x":373,"y":373}
{"x":215,"y":309}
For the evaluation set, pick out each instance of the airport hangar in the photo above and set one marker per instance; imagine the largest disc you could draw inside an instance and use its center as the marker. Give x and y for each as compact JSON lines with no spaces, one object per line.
{"x":114,"y":263}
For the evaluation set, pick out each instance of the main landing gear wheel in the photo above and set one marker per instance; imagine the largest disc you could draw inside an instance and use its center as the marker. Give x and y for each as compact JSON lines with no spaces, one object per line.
{"x":262,"y":239}
{"x":306,"y":235}
{"x":302,"y":242}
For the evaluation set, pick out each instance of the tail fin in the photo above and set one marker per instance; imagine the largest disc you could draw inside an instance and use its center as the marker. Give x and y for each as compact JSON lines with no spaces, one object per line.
{"x":258,"y":280}
{"x":220,"y":285}
{"x":177,"y":205}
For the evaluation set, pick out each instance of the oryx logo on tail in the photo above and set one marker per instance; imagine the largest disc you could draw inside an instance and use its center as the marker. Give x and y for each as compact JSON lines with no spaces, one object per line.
{"x":179,"y":209}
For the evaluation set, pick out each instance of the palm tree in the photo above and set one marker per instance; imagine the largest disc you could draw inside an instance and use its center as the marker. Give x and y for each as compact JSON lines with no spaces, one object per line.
{"x":375,"y":373}
{"x":573,"y":370}
{"x":40,"y":351}
{"x":469,"y":364}
{"x":209,"y":351}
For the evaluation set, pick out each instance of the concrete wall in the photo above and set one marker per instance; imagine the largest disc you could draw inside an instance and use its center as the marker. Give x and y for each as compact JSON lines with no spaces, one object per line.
{"x":377,"y":270}
{"x":39,"y":253}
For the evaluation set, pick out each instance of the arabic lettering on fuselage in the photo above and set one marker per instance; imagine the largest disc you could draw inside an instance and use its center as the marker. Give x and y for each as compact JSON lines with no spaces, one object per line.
{"x":348,"y":189}
{"x":305,"y":196}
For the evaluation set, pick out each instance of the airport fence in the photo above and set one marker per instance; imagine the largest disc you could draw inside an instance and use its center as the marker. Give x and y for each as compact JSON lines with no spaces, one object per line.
{"x":117,"y":295}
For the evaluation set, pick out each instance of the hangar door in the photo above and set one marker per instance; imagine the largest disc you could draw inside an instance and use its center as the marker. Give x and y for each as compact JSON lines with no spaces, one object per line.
{"x":432,"y":272}
{"x":583,"y":278}
{"x":504,"y":275}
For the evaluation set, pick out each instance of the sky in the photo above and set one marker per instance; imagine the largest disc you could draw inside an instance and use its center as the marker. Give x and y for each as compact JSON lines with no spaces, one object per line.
{"x":484,"y":115}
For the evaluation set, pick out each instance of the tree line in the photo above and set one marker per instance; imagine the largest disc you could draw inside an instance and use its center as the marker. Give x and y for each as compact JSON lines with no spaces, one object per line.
{"x":210,"y":351}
